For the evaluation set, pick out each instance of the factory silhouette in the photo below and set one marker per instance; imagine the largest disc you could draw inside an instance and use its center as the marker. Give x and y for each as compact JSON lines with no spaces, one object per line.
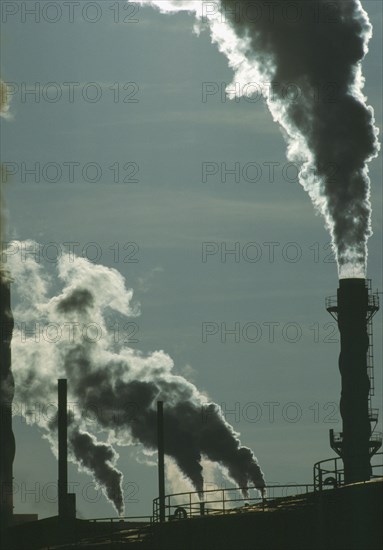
{"x":340,"y":509}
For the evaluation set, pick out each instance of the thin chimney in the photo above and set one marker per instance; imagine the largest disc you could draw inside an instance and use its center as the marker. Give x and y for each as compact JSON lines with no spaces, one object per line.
{"x":7,"y":440}
{"x":161,"y":459}
{"x":62,"y":447}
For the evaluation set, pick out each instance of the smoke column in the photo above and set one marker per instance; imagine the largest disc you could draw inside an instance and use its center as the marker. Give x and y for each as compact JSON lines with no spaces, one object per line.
{"x":98,"y":459}
{"x":114,"y":387}
{"x":306,"y":55}
{"x":4,"y":99}
{"x":4,"y":110}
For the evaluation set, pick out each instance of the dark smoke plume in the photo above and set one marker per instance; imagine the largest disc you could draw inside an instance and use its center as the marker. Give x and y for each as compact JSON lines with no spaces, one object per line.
{"x":115,"y":387}
{"x":80,"y":300}
{"x":98,"y":458}
{"x":94,"y":457}
{"x":193,"y":428}
{"x":310,"y":52}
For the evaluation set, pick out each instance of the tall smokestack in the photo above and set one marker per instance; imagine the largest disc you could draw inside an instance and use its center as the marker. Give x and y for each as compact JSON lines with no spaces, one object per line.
{"x":161,"y":458}
{"x":62,"y":447}
{"x":7,"y":440}
{"x":353,"y":312}
{"x":352,"y":322}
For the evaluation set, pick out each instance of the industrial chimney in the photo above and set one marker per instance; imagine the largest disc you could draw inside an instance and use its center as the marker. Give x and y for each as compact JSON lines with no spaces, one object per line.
{"x":161,"y":459}
{"x":7,"y":440}
{"x":66,"y":501}
{"x":353,"y":310}
{"x":62,"y":447}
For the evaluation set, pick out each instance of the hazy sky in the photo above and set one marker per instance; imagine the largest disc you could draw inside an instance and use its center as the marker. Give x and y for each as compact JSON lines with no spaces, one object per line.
{"x":152,"y":124}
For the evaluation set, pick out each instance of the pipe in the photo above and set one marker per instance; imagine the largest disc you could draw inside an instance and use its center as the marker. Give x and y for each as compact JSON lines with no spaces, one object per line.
{"x":161,"y":459}
{"x":7,"y":440}
{"x":352,"y":322}
{"x":62,"y":448}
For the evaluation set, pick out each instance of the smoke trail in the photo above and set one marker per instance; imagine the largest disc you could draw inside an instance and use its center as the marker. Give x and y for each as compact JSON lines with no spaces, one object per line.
{"x":116,"y":388}
{"x":310,"y":53}
{"x":93,"y":457}
{"x":4,"y":99}
{"x":4,"y":110}
{"x":98,"y":458}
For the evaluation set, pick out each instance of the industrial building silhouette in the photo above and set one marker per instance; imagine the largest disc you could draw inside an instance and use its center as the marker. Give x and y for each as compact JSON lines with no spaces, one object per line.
{"x":341,"y":509}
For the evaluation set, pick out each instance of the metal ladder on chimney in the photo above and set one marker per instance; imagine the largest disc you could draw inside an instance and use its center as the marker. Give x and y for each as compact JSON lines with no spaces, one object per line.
{"x":373,"y":413}
{"x":373,"y":306}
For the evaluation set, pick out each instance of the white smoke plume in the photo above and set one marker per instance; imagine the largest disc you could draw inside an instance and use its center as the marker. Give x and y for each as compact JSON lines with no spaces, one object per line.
{"x":4,"y":99}
{"x":116,"y":388}
{"x":4,"y":113}
{"x":307,"y":56}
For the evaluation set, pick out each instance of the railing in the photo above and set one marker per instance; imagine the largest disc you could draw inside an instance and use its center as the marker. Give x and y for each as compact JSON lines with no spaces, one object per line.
{"x":373,"y":415}
{"x":375,"y":440}
{"x":225,"y":501}
{"x":331,"y":302}
{"x":372,"y":303}
{"x":124,"y":520}
{"x":329,"y":473}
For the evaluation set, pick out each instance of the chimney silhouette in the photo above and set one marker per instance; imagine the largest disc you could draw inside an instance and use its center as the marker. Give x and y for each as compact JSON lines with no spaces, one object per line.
{"x":62,"y":447}
{"x":161,"y":459}
{"x":66,"y":501}
{"x":7,"y":440}
{"x":353,"y":310}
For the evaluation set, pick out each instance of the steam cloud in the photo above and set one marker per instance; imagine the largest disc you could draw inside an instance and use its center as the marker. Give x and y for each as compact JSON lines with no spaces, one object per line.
{"x":4,"y":113}
{"x":4,"y":99}
{"x":115,"y":387}
{"x":310,"y":52}
{"x":98,"y":458}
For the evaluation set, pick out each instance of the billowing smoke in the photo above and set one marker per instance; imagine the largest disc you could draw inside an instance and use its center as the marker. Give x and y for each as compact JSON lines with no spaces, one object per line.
{"x":98,"y":458}
{"x":92,"y":456}
{"x":4,"y":99}
{"x":115,"y":387}
{"x":305,"y":57}
{"x":4,"y":112}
